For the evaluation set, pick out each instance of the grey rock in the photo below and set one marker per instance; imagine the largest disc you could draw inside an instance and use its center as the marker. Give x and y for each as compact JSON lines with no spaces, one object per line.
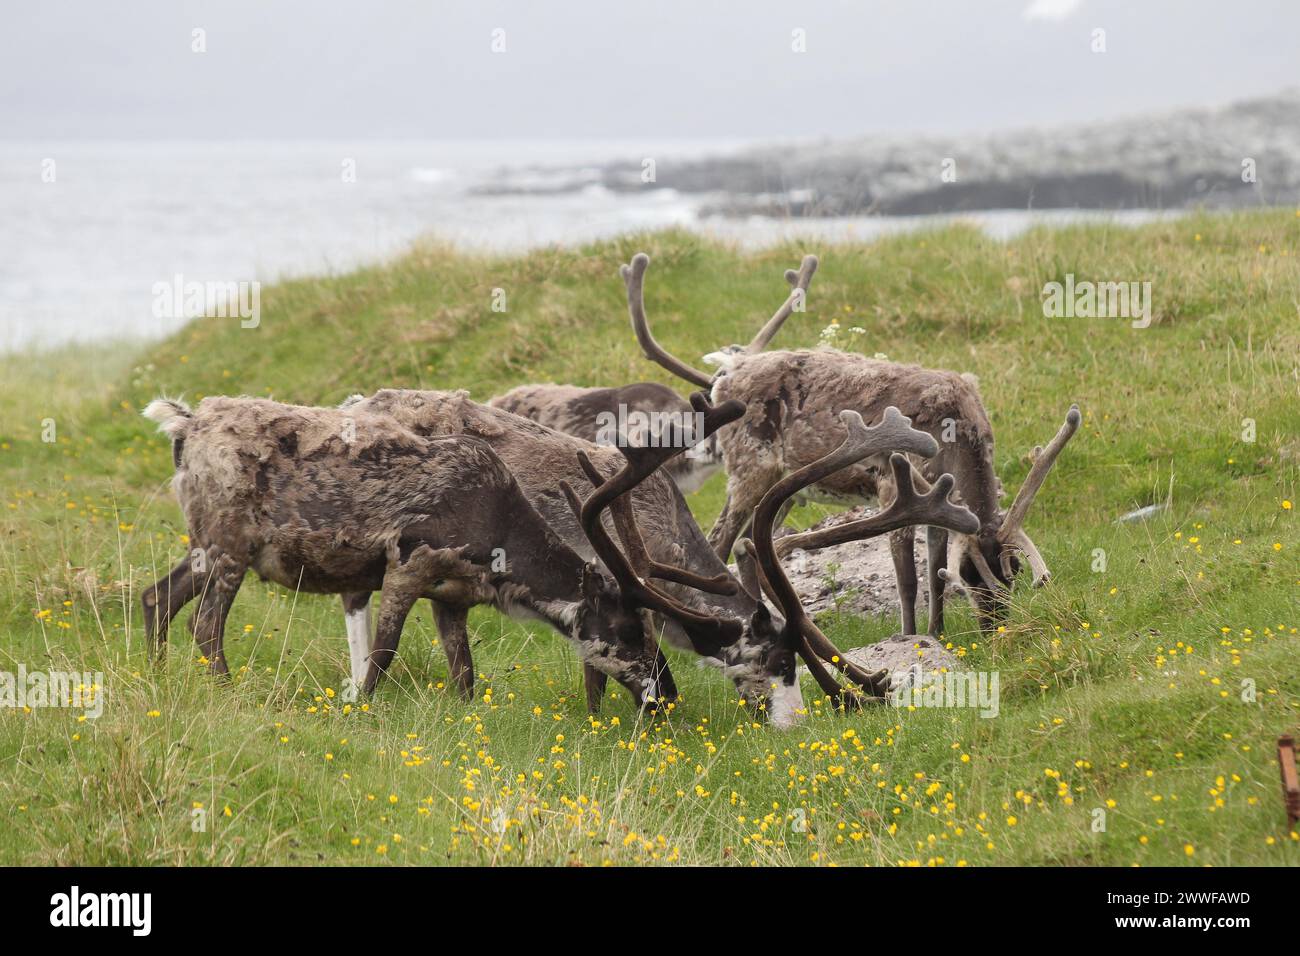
{"x":903,"y":652}
{"x":1142,"y":514}
{"x":856,"y":577}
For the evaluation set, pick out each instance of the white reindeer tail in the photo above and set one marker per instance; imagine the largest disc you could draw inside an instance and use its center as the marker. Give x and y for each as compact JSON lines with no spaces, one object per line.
{"x":172,"y":415}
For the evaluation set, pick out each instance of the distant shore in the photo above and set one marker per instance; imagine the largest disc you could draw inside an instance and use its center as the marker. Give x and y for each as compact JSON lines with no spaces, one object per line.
{"x":1243,"y":155}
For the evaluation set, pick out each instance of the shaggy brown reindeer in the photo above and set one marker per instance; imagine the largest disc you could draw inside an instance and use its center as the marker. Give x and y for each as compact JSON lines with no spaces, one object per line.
{"x":625,"y":415}
{"x":791,"y":401}
{"x":704,"y":609}
{"x":338,"y":502}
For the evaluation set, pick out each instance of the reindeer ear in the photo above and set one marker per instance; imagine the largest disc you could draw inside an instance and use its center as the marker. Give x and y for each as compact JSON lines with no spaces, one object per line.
{"x":761,"y":617}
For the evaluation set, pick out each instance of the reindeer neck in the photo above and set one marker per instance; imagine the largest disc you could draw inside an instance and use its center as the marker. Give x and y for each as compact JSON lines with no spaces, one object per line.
{"x":547,"y":570}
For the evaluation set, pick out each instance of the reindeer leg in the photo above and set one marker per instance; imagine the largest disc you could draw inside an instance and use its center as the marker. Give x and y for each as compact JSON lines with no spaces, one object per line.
{"x":163,"y":600}
{"x":594,"y":682}
{"x":739,"y":510}
{"x":406,"y":580}
{"x":936,"y":556}
{"x":356,"y":614}
{"x":901,"y":544}
{"x":453,"y":630}
{"x":208,"y":623}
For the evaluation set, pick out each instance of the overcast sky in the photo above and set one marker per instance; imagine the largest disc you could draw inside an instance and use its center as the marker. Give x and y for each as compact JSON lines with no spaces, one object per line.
{"x":614,"y":69}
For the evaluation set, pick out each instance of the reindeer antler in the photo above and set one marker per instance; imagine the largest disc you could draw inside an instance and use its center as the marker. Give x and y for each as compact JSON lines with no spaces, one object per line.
{"x":894,"y":433}
{"x":1012,"y":531}
{"x":620,"y":509}
{"x":908,"y":508}
{"x":641,"y":463}
{"x":634,"y":278}
{"x":800,"y":281}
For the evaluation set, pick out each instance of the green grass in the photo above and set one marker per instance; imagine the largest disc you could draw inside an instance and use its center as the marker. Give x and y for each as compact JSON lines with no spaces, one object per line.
{"x":1121,"y":689}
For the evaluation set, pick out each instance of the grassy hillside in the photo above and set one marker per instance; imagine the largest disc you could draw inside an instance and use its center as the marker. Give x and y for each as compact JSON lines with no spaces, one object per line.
{"x":1152,"y":690}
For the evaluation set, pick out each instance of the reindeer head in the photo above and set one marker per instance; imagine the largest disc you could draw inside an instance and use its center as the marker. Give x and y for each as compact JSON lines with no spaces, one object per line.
{"x":984,"y":565}
{"x":615,"y":637}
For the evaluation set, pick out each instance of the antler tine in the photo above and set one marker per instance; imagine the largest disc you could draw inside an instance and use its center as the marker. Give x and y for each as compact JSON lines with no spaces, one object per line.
{"x":1043,"y":463}
{"x":965,"y":546}
{"x":893,"y":432}
{"x":1037,"y":566}
{"x":621,"y":512}
{"x":800,"y":280}
{"x":629,"y":532}
{"x":907,"y":509}
{"x":617,"y":563}
{"x":634,"y":278}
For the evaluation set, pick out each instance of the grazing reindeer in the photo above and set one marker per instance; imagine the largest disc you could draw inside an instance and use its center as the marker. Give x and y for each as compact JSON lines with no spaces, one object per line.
{"x":622,"y":415}
{"x":791,"y":398}
{"x":704,"y":609}
{"x":336,"y":502}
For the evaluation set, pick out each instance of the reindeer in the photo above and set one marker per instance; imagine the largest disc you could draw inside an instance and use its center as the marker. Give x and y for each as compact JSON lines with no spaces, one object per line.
{"x":791,"y":398}
{"x":621,"y":415}
{"x":339,"y":502}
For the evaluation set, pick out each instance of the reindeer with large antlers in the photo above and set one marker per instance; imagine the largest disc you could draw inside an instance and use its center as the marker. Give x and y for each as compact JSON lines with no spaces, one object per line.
{"x":791,"y":400}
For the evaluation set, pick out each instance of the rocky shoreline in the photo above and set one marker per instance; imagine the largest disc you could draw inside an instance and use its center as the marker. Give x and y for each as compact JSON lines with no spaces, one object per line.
{"x":1246,"y":154}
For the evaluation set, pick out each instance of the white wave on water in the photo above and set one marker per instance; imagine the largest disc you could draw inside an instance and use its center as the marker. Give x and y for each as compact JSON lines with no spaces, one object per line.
{"x":80,"y":256}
